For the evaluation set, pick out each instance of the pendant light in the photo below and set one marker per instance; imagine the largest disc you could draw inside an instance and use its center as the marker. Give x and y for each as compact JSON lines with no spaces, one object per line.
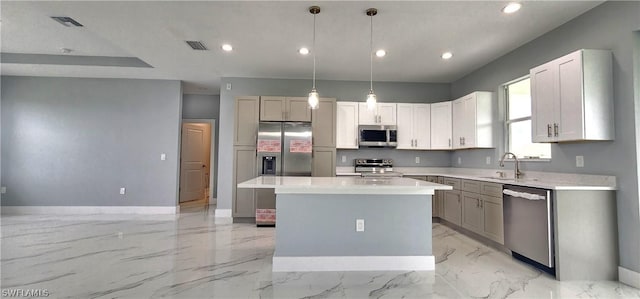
{"x":314,"y":97}
{"x":371,"y":97}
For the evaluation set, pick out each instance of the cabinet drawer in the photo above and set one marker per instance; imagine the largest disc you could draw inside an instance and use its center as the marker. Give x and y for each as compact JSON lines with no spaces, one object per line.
{"x":433,"y":179}
{"x":455,"y":183}
{"x":491,"y":189}
{"x":471,"y":186}
{"x":492,"y":199}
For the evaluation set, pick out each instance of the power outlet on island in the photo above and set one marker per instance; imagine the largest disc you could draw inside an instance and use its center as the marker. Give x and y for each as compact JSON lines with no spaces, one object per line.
{"x":579,"y":161}
{"x":359,"y":225}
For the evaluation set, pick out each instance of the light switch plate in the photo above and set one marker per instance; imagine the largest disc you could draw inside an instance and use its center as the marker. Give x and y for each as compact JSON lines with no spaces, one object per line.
{"x":417,"y":160}
{"x":359,"y":225}
{"x":579,"y":161}
{"x":488,"y":160}
{"x":122,"y":191}
{"x":163,"y":156}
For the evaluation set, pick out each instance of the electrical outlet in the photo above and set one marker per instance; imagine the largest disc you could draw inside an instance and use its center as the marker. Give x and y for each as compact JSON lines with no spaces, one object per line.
{"x":122,"y":191}
{"x":120,"y":235}
{"x":579,"y":161}
{"x":359,"y":225}
{"x":417,"y":160}
{"x":163,"y":156}
{"x":488,"y":160}
{"x":228,"y":86}
{"x":3,"y":190}
{"x":459,"y":160}
{"x":344,"y":159}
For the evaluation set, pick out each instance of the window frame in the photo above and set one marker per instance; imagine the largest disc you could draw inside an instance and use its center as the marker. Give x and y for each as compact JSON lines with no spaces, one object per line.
{"x":507,"y":122}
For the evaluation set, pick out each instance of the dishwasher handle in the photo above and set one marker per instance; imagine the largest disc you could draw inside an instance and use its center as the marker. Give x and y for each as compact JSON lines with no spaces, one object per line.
{"x":524,"y":195}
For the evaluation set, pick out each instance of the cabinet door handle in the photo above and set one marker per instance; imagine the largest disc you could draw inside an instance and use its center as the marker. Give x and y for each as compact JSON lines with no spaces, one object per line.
{"x":548,"y":130}
{"x":460,"y":141}
{"x":416,"y":142}
{"x":555,"y":130}
{"x":449,"y":142}
{"x":463,"y":141}
{"x":481,"y":203}
{"x":477,"y":203}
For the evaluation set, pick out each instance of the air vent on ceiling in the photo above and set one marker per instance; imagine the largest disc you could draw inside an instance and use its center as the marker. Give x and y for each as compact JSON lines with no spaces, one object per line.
{"x":196,"y":45}
{"x":67,"y":21}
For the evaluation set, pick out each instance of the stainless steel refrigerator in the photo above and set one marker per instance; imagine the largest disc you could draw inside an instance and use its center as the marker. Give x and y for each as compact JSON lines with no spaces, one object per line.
{"x":283,"y":149}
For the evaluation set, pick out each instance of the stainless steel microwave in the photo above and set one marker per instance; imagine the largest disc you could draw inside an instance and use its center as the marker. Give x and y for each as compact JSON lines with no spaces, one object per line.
{"x":377,"y":136}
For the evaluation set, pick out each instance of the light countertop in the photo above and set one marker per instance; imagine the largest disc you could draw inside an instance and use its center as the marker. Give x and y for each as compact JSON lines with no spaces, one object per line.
{"x":545,"y":180}
{"x":343,"y":185}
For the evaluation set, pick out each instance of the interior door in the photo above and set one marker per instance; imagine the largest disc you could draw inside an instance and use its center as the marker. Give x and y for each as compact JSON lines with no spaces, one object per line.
{"x":193,"y":166}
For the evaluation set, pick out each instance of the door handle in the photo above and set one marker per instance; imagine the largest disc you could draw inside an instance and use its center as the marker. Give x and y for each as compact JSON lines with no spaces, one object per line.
{"x":548,"y":130}
{"x":555,"y":130}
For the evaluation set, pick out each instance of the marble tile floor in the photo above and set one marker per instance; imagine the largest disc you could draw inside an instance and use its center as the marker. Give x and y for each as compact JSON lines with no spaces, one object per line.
{"x":189,"y":256}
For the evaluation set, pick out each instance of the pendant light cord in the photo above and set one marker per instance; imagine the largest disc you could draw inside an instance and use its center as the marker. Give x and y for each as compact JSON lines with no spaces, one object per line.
{"x":371,"y":56}
{"x":314,"y":51}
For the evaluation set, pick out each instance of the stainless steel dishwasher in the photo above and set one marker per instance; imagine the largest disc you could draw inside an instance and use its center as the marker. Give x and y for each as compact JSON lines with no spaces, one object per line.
{"x":528,"y":225}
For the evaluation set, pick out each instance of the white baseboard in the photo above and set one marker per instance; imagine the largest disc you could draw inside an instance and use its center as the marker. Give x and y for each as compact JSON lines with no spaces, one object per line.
{"x":80,"y":210}
{"x":353,"y":263}
{"x":223,"y":213}
{"x":629,"y":277}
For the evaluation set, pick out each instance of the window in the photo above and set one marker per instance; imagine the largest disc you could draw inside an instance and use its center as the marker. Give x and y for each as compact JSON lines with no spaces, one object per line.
{"x":518,"y":124}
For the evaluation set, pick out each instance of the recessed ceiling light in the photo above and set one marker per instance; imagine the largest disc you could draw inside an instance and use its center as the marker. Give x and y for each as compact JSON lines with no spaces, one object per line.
{"x":381,"y":53}
{"x":227,"y":47}
{"x":303,"y":51}
{"x":512,"y":7}
{"x":447,"y":55}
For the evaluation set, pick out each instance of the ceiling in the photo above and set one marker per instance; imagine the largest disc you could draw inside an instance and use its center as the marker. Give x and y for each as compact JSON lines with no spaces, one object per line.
{"x":267,"y":34}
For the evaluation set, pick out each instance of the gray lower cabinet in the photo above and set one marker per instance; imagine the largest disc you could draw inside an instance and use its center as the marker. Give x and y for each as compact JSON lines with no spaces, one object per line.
{"x":493,"y":218}
{"x":452,"y":201}
{"x":244,"y":158}
{"x":246,"y":121}
{"x":324,"y":161}
{"x":436,"y":198}
{"x":482,"y":209}
{"x":472,"y":213}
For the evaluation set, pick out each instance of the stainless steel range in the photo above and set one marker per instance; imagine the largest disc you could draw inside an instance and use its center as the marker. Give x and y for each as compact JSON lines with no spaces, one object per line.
{"x":375,"y":168}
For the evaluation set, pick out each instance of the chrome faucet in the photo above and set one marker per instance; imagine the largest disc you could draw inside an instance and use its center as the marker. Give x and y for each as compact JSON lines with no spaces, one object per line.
{"x":517,"y":173}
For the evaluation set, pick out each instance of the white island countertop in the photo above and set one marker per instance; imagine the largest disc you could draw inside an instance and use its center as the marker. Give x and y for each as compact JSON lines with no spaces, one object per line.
{"x":342,"y":185}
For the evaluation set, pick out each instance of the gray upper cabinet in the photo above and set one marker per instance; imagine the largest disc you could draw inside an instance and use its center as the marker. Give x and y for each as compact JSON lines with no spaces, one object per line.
{"x":284,"y":109}
{"x":246,"y":121}
{"x":572,"y":98}
{"x":272,"y":108}
{"x":324,"y":123}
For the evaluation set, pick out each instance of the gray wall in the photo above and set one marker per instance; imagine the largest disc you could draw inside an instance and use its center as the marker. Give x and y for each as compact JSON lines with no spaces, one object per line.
{"x":394,"y":226}
{"x":608,"y":26}
{"x":401,"y":158}
{"x":341,"y":90}
{"x":199,"y":106}
{"x":76,"y":141}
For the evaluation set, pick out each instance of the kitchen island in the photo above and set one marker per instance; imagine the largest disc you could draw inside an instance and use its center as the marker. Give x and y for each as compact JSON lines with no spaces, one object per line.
{"x":351,"y":223}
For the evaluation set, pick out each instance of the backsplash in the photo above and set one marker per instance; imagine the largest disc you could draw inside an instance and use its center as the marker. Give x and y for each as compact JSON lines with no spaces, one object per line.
{"x":401,"y":158}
